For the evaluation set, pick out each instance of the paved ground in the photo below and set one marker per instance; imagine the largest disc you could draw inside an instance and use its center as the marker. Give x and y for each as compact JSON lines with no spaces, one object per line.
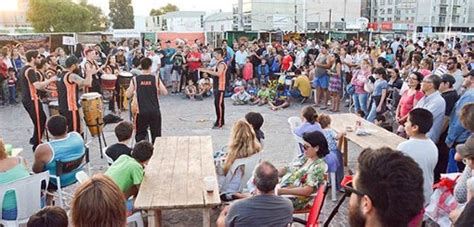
{"x":184,"y":117}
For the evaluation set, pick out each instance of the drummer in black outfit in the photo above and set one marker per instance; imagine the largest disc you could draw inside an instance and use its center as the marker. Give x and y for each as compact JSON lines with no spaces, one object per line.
{"x":68,"y":93}
{"x":147,"y":88}
{"x":219,"y":78}
{"x":30,"y":84}
{"x":92,"y":68}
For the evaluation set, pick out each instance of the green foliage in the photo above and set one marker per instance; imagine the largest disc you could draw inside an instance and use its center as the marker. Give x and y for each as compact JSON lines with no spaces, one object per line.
{"x":64,"y":16}
{"x":163,"y":10}
{"x":121,"y":14}
{"x":99,"y":21}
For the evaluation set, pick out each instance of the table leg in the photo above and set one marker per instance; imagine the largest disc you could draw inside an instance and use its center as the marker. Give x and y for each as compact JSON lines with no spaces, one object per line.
{"x":154,"y":218}
{"x":345,"y":150}
{"x":206,"y":217}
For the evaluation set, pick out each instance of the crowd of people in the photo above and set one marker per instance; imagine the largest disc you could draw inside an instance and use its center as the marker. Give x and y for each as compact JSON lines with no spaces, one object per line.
{"x":422,"y":90}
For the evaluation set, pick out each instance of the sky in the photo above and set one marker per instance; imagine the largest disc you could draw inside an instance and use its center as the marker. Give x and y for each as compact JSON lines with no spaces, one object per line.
{"x":143,"y":7}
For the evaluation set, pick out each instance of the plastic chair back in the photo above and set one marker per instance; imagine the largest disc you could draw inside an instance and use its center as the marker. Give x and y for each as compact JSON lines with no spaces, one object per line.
{"x":294,"y":122}
{"x":318,"y":203}
{"x":69,"y":166}
{"x":28,"y":196}
{"x":249,"y":164}
{"x":107,"y":158}
{"x":82,"y":176}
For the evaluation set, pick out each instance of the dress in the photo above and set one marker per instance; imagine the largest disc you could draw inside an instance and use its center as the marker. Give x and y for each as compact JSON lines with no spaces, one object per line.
{"x":334,"y":80}
{"x":298,"y":175}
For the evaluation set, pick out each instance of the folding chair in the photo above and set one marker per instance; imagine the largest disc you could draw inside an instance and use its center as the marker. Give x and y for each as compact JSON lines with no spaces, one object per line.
{"x":69,"y":167}
{"x":315,"y":210}
{"x":28,"y":197}
{"x":107,"y":158}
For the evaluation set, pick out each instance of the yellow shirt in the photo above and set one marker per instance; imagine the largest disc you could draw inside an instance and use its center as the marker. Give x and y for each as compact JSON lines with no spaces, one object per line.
{"x":303,"y":84}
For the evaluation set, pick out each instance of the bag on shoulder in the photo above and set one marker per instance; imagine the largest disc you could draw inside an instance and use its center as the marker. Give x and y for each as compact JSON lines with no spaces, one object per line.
{"x":369,"y":86}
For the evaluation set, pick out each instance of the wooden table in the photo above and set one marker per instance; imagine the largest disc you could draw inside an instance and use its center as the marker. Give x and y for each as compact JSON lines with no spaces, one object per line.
{"x":378,"y":138}
{"x":174,"y":178}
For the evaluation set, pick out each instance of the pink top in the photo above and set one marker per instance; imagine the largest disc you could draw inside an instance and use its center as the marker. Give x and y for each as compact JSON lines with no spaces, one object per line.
{"x":358,"y":80}
{"x":425,"y":72}
{"x":407,"y":102}
{"x":247,"y":73}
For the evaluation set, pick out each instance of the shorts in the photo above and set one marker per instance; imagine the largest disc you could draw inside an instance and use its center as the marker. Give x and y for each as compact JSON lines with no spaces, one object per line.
{"x":321,"y":81}
{"x":175,"y":76}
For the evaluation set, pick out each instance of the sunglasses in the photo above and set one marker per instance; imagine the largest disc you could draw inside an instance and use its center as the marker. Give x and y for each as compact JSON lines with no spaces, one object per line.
{"x":349,"y":189}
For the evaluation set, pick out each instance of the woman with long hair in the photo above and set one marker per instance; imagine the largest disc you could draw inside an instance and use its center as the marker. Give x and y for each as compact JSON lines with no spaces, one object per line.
{"x":359,"y":79}
{"x":408,"y":100}
{"x":98,"y":202}
{"x":335,"y":82}
{"x":243,"y":143}
{"x":399,"y":56}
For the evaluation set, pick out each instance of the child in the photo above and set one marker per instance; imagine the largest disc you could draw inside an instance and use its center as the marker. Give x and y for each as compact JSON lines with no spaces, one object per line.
{"x":238,"y":82}
{"x":263,"y":95}
{"x":256,"y":120}
{"x":123,"y":132}
{"x":127,"y":172}
{"x":241,"y":97}
{"x":381,"y":121}
{"x":263,"y":71}
{"x":247,"y":72}
{"x":205,"y":85}
{"x":420,"y":147}
{"x":281,"y":100}
{"x":191,"y":91}
{"x":177,"y":70}
{"x":334,"y":158}
{"x":252,"y":87}
{"x":12,"y":85}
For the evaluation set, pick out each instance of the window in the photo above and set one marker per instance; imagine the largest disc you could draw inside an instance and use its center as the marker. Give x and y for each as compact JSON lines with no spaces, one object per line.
{"x":390,"y":2}
{"x":389,"y":19}
{"x":382,"y":19}
{"x":389,"y":11}
{"x":382,"y":2}
{"x":442,"y":19}
{"x":443,"y":10}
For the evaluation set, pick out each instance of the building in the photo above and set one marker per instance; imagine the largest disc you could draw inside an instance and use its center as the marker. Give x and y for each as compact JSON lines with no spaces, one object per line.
{"x":297,"y":15}
{"x":16,"y":21}
{"x":184,"y":21}
{"x":218,"y":22}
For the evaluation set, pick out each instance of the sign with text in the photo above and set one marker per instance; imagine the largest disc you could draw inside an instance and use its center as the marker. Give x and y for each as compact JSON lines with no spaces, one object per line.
{"x":126,"y":33}
{"x":69,"y":41}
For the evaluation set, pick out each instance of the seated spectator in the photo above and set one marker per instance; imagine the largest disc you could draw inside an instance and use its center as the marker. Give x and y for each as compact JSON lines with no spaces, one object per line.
{"x":191,"y":91}
{"x":309,"y":118}
{"x":205,"y":85}
{"x":376,"y":198}
{"x":127,"y":172}
{"x":263,"y":209}
{"x":11,"y":169}
{"x":301,"y":87}
{"x":281,"y":100}
{"x":252,"y":87}
{"x":240,"y":97}
{"x":256,"y":120}
{"x":51,"y":216}
{"x":420,"y":147}
{"x":263,"y":72}
{"x":381,"y":121}
{"x":98,"y":202}
{"x":63,"y":146}
{"x":304,"y":175}
{"x":123,"y":132}
{"x":465,"y":218}
{"x":334,"y":158}
{"x":243,"y":144}
{"x":263,"y":95}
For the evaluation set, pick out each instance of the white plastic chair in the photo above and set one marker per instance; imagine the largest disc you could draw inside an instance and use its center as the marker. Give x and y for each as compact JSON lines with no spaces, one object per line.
{"x":249,"y":164}
{"x":28,"y":197}
{"x":107,"y":158}
{"x":294,"y":122}
{"x":82,"y":177}
{"x":136,"y":218}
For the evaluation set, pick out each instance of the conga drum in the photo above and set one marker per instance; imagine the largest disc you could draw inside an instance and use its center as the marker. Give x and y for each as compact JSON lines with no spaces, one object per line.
{"x":53,"y":108}
{"x":124,"y":80}
{"x":92,"y":107}
{"x":108,"y":85}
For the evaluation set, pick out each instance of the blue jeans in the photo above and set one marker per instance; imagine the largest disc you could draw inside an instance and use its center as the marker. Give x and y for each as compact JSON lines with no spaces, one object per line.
{"x":360,"y":102}
{"x":372,"y":113}
{"x":12,"y":91}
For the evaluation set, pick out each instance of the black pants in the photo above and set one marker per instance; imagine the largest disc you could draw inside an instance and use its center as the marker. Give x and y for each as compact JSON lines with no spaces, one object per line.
{"x":443,"y":157}
{"x":73,"y":120}
{"x":37,"y":115}
{"x":145,"y":120}
{"x":219,"y":106}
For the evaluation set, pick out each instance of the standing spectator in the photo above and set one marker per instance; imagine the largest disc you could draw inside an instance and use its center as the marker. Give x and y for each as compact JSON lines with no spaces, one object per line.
{"x":194,"y":63}
{"x":286,"y":61}
{"x":441,"y":66}
{"x":177,"y":71}
{"x":240,"y":59}
{"x":387,"y":189}
{"x":359,"y":78}
{"x":263,"y":72}
{"x":3,"y":79}
{"x":335,"y":86}
{"x":408,"y":100}
{"x":434,"y":102}
{"x":168,"y":62}
{"x":299,"y":56}
{"x":104,"y":45}
{"x":321,"y":80}
{"x":247,"y":71}
{"x":379,"y":95}
{"x":453,"y":70}
{"x":12,"y":86}
{"x":420,"y":147}
{"x":61,"y":56}
{"x":17,"y":60}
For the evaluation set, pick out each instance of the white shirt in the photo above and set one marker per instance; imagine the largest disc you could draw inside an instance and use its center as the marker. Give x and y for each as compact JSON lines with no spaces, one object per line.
{"x":425,"y":154}
{"x":437,"y":106}
{"x":155,"y":65}
{"x":299,"y":58}
{"x":347,"y":60}
{"x":240,"y":57}
{"x":459,"y":80}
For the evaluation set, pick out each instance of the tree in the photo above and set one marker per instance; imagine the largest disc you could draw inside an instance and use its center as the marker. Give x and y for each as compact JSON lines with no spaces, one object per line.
{"x":98,"y":21}
{"x":121,"y":14}
{"x":163,"y":10}
{"x":58,"y":16}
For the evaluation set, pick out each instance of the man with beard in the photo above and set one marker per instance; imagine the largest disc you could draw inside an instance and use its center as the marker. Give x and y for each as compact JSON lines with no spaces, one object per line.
{"x":387,"y":190}
{"x":30,"y":85}
{"x":68,"y":93}
{"x":53,"y":70}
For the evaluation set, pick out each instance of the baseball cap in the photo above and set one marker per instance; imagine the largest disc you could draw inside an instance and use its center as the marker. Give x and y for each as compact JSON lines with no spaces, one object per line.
{"x":466,"y":149}
{"x":71,"y":61}
{"x":448,"y":78}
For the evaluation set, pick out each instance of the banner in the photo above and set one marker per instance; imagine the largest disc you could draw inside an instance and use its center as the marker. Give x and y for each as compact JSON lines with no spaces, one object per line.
{"x":180,"y":37}
{"x":126,"y":33}
{"x":69,"y":41}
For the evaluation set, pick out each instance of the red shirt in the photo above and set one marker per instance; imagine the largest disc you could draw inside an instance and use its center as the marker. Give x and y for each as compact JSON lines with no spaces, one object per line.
{"x":285,"y":63}
{"x":193,"y":65}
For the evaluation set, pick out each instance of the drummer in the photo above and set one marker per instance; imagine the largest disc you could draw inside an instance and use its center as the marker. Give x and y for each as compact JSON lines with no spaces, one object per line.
{"x":53,"y":70}
{"x":68,"y":92}
{"x":92,"y":69}
{"x":112,"y":67}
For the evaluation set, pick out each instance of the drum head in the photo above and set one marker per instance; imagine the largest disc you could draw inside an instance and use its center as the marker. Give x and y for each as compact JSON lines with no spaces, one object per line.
{"x":108,"y":77}
{"x":126,"y":74}
{"x":91,"y":95}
